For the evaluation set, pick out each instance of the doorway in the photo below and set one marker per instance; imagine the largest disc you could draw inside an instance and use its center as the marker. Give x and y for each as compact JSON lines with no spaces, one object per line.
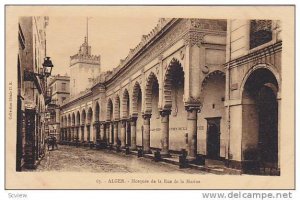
{"x":213,"y":138}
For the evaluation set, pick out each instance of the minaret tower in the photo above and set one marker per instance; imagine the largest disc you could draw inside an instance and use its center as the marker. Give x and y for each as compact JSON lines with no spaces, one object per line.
{"x":84,"y":68}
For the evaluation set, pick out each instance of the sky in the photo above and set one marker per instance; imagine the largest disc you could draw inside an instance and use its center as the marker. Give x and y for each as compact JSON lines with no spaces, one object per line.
{"x":111,"y":38}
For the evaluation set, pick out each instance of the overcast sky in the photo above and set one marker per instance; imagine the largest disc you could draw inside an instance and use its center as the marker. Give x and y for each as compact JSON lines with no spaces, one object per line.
{"x":110,"y":37}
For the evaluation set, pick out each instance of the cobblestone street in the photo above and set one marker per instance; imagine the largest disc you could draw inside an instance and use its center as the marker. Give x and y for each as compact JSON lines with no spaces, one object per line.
{"x":81,"y":159}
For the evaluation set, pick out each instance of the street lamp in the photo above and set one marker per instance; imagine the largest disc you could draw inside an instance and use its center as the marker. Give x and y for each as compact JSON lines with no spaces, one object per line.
{"x":47,"y":66}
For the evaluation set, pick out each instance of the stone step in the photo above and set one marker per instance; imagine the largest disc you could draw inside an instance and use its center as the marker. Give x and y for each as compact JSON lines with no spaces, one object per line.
{"x":213,"y":162}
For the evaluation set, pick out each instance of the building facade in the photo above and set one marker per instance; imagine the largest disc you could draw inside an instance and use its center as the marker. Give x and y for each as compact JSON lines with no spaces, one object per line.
{"x":253,"y":93}
{"x":182,"y":87}
{"x":59,"y":87}
{"x":32,"y":97}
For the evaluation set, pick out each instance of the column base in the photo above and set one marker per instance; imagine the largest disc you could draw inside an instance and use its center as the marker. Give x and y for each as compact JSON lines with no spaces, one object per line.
{"x":190,"y":158}
{"x":115,"y":145}
{"x":197,"y":160}
{"x":133,"y":148}
{"x":165,"y":155}
{"x":147,"y":151}
{"x":117,"y":148}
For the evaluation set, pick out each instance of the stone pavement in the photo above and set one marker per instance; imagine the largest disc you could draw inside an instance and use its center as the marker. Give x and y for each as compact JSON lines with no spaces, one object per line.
{"x":72,"y":159}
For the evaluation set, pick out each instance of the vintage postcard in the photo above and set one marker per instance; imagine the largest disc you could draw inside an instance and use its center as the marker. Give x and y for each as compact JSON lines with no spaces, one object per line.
{"x":149,"y":97}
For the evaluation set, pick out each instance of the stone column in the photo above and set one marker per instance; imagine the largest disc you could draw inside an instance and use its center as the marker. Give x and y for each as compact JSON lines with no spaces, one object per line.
{"x":88,"y":131}
{"x":128,"y":133}
{"x":123,"y":133}
{"x":82,"y":133}
{"x":95,"y":132}
{"x":61,"y":134}
{"x":116,"y":123}
{"x":77,"y":133}
{"x":133,"y":133}
{"x":111,"y":133}
{"x":192,"y":132}
{"x":72,"y":133}
{"x":102,"y":132}
{"x":165,"y":132}
{"x":66,"y":134}
{"x":108,"y":135}
{"x":146,"y":134}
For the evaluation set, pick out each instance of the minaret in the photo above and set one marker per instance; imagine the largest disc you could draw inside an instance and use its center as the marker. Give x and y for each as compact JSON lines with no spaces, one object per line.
{"x":84,"y":67}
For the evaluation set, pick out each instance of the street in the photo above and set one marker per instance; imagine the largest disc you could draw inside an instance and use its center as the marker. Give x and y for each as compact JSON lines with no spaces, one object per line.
{"x":69,"y":158}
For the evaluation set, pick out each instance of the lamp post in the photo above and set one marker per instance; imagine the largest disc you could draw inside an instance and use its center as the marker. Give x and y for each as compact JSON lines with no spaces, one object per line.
{"x":47,"y":67}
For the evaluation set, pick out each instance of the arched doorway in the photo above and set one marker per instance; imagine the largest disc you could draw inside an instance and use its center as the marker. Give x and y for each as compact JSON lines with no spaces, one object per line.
{"x":109,"y":118}
{"x":88,"y":126}
{"x":97,"y":125}
{"x":77,"y":126}
{"x":97,"y":112}
{"x":211,"y":120}
{"x":126,"y":116}
{"x":137,"y":112}
{"x":116,"y":128}
{"x":260,"y":122}
{"x":83,"y":122}
{"x":173,"y":91}
{"x":69,"y":127}
{"x":151,"y":107}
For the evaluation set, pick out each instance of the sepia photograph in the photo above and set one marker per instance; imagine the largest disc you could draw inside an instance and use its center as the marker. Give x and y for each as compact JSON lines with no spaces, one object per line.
{"x":129,"y":97}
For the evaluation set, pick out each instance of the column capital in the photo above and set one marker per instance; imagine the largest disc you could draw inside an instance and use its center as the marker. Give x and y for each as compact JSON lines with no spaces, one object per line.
{"x":115,"y":122}
{"x":193,"y":104}
{"x":164,"y":113}
{"x":102,"y":125}
{"x":123,"y":122}
{"x":134,"y":115}
{"x":96,"y":123}
{"x":146,"y":116}
{"x":124,"y":119}
{"x":133,"y":123}
{"x":133,"y":119}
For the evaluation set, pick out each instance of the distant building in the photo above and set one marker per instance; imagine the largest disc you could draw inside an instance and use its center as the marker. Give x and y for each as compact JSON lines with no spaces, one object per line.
{"x":32,"y":96}
{"x":84,"y":68}
{"x":59,"y":87}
